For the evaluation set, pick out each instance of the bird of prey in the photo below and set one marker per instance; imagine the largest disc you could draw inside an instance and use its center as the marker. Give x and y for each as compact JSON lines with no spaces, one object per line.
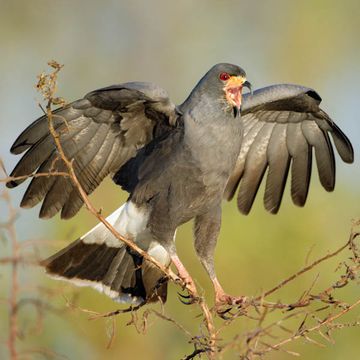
{"x":177,"y":163}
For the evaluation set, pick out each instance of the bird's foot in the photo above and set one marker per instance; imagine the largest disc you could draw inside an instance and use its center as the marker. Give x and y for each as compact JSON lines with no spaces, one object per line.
{"x":222,"y":299}
{"x":188,"y":283}
{"x":225,"y":303}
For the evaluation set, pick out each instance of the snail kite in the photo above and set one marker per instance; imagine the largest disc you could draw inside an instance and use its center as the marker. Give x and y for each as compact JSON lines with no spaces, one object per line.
{"x":177,"y":163}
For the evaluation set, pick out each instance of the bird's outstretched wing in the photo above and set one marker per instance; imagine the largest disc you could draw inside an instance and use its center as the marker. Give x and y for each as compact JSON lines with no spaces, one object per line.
{"x":100,"y":133}
{"x":282,"y":123}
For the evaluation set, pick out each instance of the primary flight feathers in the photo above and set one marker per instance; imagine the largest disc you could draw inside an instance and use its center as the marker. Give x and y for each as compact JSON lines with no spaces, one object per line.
{"x":282,"y":123}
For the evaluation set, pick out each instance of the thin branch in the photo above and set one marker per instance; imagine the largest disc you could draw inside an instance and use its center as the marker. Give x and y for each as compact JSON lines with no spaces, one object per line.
{"x":34,"y":175}
{"x":305,"y":331}
{"x":14,"y":287}
{"x":305,"y":269}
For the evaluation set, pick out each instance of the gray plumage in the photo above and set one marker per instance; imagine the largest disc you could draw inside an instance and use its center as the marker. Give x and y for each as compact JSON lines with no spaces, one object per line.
{"x":177,"y":163}
{"x":281,"y":125}
{"x":102,"y":131}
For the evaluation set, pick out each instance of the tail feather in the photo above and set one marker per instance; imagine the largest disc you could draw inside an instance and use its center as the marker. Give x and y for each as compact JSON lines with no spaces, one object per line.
{"x":100,"y":260}
{"x":117,"y":272}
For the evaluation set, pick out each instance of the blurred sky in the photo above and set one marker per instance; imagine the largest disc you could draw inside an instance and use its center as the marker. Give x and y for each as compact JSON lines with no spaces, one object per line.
{"x":173,"y":43}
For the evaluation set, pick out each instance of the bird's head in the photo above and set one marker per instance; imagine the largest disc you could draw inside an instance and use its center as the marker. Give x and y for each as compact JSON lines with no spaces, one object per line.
{"x":233,"y":79}
{"x":230,"y":79}
{"x":222,"y":84}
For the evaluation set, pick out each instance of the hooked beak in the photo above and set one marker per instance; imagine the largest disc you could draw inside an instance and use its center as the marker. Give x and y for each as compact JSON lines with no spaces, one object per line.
{"x":233,"y":92}
{"x":248,"y":85}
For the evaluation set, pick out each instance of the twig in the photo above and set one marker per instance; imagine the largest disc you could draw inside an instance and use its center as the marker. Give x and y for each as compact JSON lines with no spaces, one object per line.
{"x":14,"y":287}
{"x":36,"y":175}
{"x":305,"y":331}
{"x":304,"y":270}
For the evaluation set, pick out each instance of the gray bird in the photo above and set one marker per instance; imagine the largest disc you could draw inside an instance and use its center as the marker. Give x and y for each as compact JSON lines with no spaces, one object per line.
{"x":177,"y":163}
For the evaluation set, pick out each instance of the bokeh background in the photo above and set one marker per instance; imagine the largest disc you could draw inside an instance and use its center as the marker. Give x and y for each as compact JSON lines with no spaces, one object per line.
{"x":173,"y":43}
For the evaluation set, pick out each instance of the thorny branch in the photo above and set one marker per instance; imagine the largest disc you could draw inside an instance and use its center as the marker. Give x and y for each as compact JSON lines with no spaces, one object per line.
{"x":299,"y":319}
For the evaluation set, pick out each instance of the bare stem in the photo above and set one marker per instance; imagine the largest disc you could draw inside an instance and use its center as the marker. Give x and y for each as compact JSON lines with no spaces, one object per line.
{"x":14,"y":284}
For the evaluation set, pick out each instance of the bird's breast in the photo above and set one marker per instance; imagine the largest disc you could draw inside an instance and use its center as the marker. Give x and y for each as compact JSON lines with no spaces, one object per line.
{"x":214,"y":147}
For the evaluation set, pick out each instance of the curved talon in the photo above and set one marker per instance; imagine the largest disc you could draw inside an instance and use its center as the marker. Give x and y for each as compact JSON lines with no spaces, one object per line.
{"x":224,"y":317}
{"x":190,"y":302}
{"x":185,"y":296}
{"x":223,"y":312}
{"x":189,"y":299}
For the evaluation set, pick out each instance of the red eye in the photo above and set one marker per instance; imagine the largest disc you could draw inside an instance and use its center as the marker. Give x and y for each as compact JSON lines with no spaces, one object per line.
{"x":224,"y":76}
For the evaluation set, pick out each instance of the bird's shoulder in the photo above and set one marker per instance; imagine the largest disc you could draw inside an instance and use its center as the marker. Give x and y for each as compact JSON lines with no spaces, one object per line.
{"x":154,"y":158}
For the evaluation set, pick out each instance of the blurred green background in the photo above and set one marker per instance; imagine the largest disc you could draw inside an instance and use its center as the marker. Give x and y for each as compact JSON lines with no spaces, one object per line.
{"x":173,"y":43}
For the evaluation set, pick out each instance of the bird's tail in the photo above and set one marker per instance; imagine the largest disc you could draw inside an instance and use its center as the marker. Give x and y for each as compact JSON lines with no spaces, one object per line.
{"x":101,"y":261}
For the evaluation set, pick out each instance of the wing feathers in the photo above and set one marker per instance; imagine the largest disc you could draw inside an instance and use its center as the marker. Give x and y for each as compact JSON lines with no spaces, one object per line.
{"x":255,"y":166}
{"x":298,"y":126}
{"x":323,"y":153}
{"x":39,"y":128}
{"x":56,"y":197}
{"x":341,"y":142}
{"x":279,"y":160}
{"x":74,"y":201}
{"x":251,"y":129}
{"x":39,"y":186}
{"x":59,"y":192}
{"x":300,"y":151}
{"x":41,"y":150}
{"x":31,"y":160}
{"x":98,"y":133}
{"x":90,"y":176}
